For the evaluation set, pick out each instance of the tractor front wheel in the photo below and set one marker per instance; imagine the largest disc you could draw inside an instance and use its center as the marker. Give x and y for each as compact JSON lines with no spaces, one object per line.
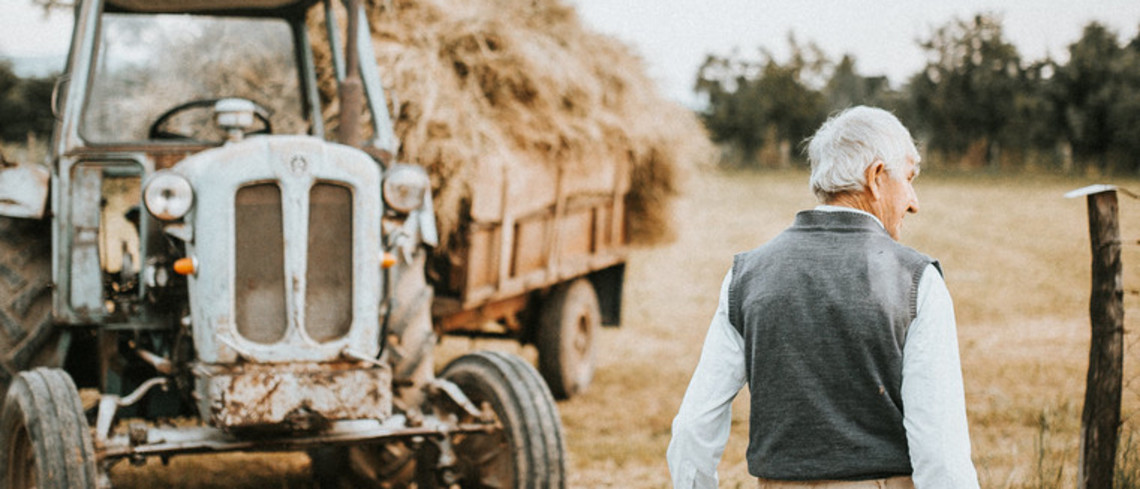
{"x":45,"y":442}
{"x":528,"y":452}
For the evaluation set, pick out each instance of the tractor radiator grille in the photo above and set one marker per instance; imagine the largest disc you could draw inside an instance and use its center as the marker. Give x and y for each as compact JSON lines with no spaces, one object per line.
{"x":260,"y":304}
{"x":328,"y":299}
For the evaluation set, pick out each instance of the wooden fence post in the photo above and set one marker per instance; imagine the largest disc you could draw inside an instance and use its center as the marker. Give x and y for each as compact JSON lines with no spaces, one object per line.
{"x":1100,"y":420}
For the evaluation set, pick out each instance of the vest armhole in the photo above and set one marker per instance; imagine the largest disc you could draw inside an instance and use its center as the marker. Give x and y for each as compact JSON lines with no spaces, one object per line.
{"x":917,"y":279}
{"x":733,"y":299}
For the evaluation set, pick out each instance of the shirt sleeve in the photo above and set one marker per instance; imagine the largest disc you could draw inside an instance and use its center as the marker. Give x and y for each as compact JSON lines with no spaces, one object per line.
{"x":934,"y":405}
{"x":704,"y":420}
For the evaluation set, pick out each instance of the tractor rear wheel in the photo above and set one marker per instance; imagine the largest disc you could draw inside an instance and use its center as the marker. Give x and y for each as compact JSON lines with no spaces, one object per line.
{"x":25,"y":297}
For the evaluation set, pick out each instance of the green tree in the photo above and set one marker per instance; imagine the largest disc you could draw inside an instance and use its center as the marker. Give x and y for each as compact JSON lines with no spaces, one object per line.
{"x":847,"y":88}
{"x":732,"y":114}
{"x":1097,"y":94}
{"x":968,"y":91}
{"x":763,"y":104}
{"x":1124,"y":114}
{"x":1084,"y":91}
{"x":25,"y":105}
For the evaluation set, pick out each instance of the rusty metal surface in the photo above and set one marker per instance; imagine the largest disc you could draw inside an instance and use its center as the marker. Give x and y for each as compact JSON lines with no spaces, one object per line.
{"x":164,"y":154}
{"x":453,"y":318}
{"x":165,"y":441}
{"x":292,"y":396}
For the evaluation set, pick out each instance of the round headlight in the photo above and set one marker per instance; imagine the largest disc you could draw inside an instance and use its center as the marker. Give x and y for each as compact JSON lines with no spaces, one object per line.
{"x":168,"y":196}
{"x":404,"y":187}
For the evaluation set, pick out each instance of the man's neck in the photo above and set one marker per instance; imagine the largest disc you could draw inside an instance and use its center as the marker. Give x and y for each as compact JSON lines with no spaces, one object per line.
{"x":853,"y":200}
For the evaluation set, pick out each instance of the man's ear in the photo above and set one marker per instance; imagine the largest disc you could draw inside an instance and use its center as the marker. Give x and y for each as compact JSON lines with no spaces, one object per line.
{"x":872,"y":174}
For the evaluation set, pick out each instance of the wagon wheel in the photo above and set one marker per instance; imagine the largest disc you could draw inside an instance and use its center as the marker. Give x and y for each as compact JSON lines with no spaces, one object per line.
{"x":45,"y":442}
{"x":568,"y":323}
{"x":528,"y":452}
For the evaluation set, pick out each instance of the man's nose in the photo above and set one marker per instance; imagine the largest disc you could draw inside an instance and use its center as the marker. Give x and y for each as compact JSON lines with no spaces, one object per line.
{"x":912,"y":206}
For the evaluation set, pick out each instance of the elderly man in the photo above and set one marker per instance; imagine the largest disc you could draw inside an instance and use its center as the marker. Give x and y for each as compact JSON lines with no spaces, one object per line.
{"x":845,"y":337}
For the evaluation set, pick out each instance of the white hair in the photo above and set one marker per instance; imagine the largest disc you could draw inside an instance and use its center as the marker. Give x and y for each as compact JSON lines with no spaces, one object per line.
{"x":849,"y":142}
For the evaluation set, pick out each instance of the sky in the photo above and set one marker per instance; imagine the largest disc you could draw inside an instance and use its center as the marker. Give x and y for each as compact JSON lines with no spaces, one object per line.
{"x":675,"y":36}
{"x":26,"y":32}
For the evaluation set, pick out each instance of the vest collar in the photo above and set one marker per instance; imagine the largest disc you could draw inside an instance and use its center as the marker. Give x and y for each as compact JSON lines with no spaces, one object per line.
{"x":846,"y":217}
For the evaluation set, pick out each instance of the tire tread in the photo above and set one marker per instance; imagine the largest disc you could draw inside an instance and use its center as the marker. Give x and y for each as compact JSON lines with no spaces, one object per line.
{"x":25,"y":293}
{"x":568,"y":298}
{"x":521,"y":390}
{"x":46,"y":402}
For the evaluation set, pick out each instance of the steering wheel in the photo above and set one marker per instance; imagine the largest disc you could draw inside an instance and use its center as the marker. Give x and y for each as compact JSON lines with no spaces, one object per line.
{"x":156,"y":131}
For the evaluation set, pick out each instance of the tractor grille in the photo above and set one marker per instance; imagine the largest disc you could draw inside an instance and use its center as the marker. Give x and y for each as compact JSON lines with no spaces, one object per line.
{"x":260,"y":304}
{"x":328,"y":299}
{"x":287,"y":231}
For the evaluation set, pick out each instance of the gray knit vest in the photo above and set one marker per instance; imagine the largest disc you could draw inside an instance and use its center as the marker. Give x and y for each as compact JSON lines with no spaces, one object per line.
{"x":823,"y":309}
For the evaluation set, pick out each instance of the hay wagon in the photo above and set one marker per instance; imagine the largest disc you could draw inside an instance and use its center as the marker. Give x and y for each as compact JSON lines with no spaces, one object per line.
{"x":539,"y":258}
{"x":550,"y":152}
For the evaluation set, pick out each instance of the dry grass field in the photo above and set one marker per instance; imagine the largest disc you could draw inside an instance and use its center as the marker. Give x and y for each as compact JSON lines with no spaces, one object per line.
{"x":1016,"y":257}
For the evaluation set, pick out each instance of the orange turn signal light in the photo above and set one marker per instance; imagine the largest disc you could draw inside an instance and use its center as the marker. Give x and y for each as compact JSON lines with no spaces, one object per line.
{"x":387,"y":261}
{"x":185,"y":266}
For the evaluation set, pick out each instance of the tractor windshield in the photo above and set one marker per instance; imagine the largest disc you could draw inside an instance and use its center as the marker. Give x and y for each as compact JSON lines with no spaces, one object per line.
{"x":156,"y":77}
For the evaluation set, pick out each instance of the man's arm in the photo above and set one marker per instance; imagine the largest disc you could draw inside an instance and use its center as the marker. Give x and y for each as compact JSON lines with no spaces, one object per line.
{"x":702,"y":425}
{"x":934,"y":404}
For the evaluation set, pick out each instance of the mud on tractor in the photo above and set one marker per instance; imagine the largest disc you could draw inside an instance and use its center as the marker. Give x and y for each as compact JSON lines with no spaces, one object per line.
{"x":196,"y":248}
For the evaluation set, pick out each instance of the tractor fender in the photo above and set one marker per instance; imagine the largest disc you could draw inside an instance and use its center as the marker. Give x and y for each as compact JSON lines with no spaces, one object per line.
{"x":23,"y":190}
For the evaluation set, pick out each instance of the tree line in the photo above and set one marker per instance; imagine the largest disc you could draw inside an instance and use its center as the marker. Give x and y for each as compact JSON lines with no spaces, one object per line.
{"x":976,"y":103}
{"x":25,"y":106}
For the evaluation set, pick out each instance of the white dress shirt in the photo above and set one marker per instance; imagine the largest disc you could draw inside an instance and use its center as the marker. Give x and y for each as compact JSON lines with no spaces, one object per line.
{"x":934,"y":408}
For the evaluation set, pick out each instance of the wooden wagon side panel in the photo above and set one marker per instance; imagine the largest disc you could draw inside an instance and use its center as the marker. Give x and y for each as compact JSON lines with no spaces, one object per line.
{"x":530,"y":227}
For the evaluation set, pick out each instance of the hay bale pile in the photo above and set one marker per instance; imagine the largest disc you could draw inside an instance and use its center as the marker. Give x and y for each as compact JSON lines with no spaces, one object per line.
{"x":525,"y":83}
